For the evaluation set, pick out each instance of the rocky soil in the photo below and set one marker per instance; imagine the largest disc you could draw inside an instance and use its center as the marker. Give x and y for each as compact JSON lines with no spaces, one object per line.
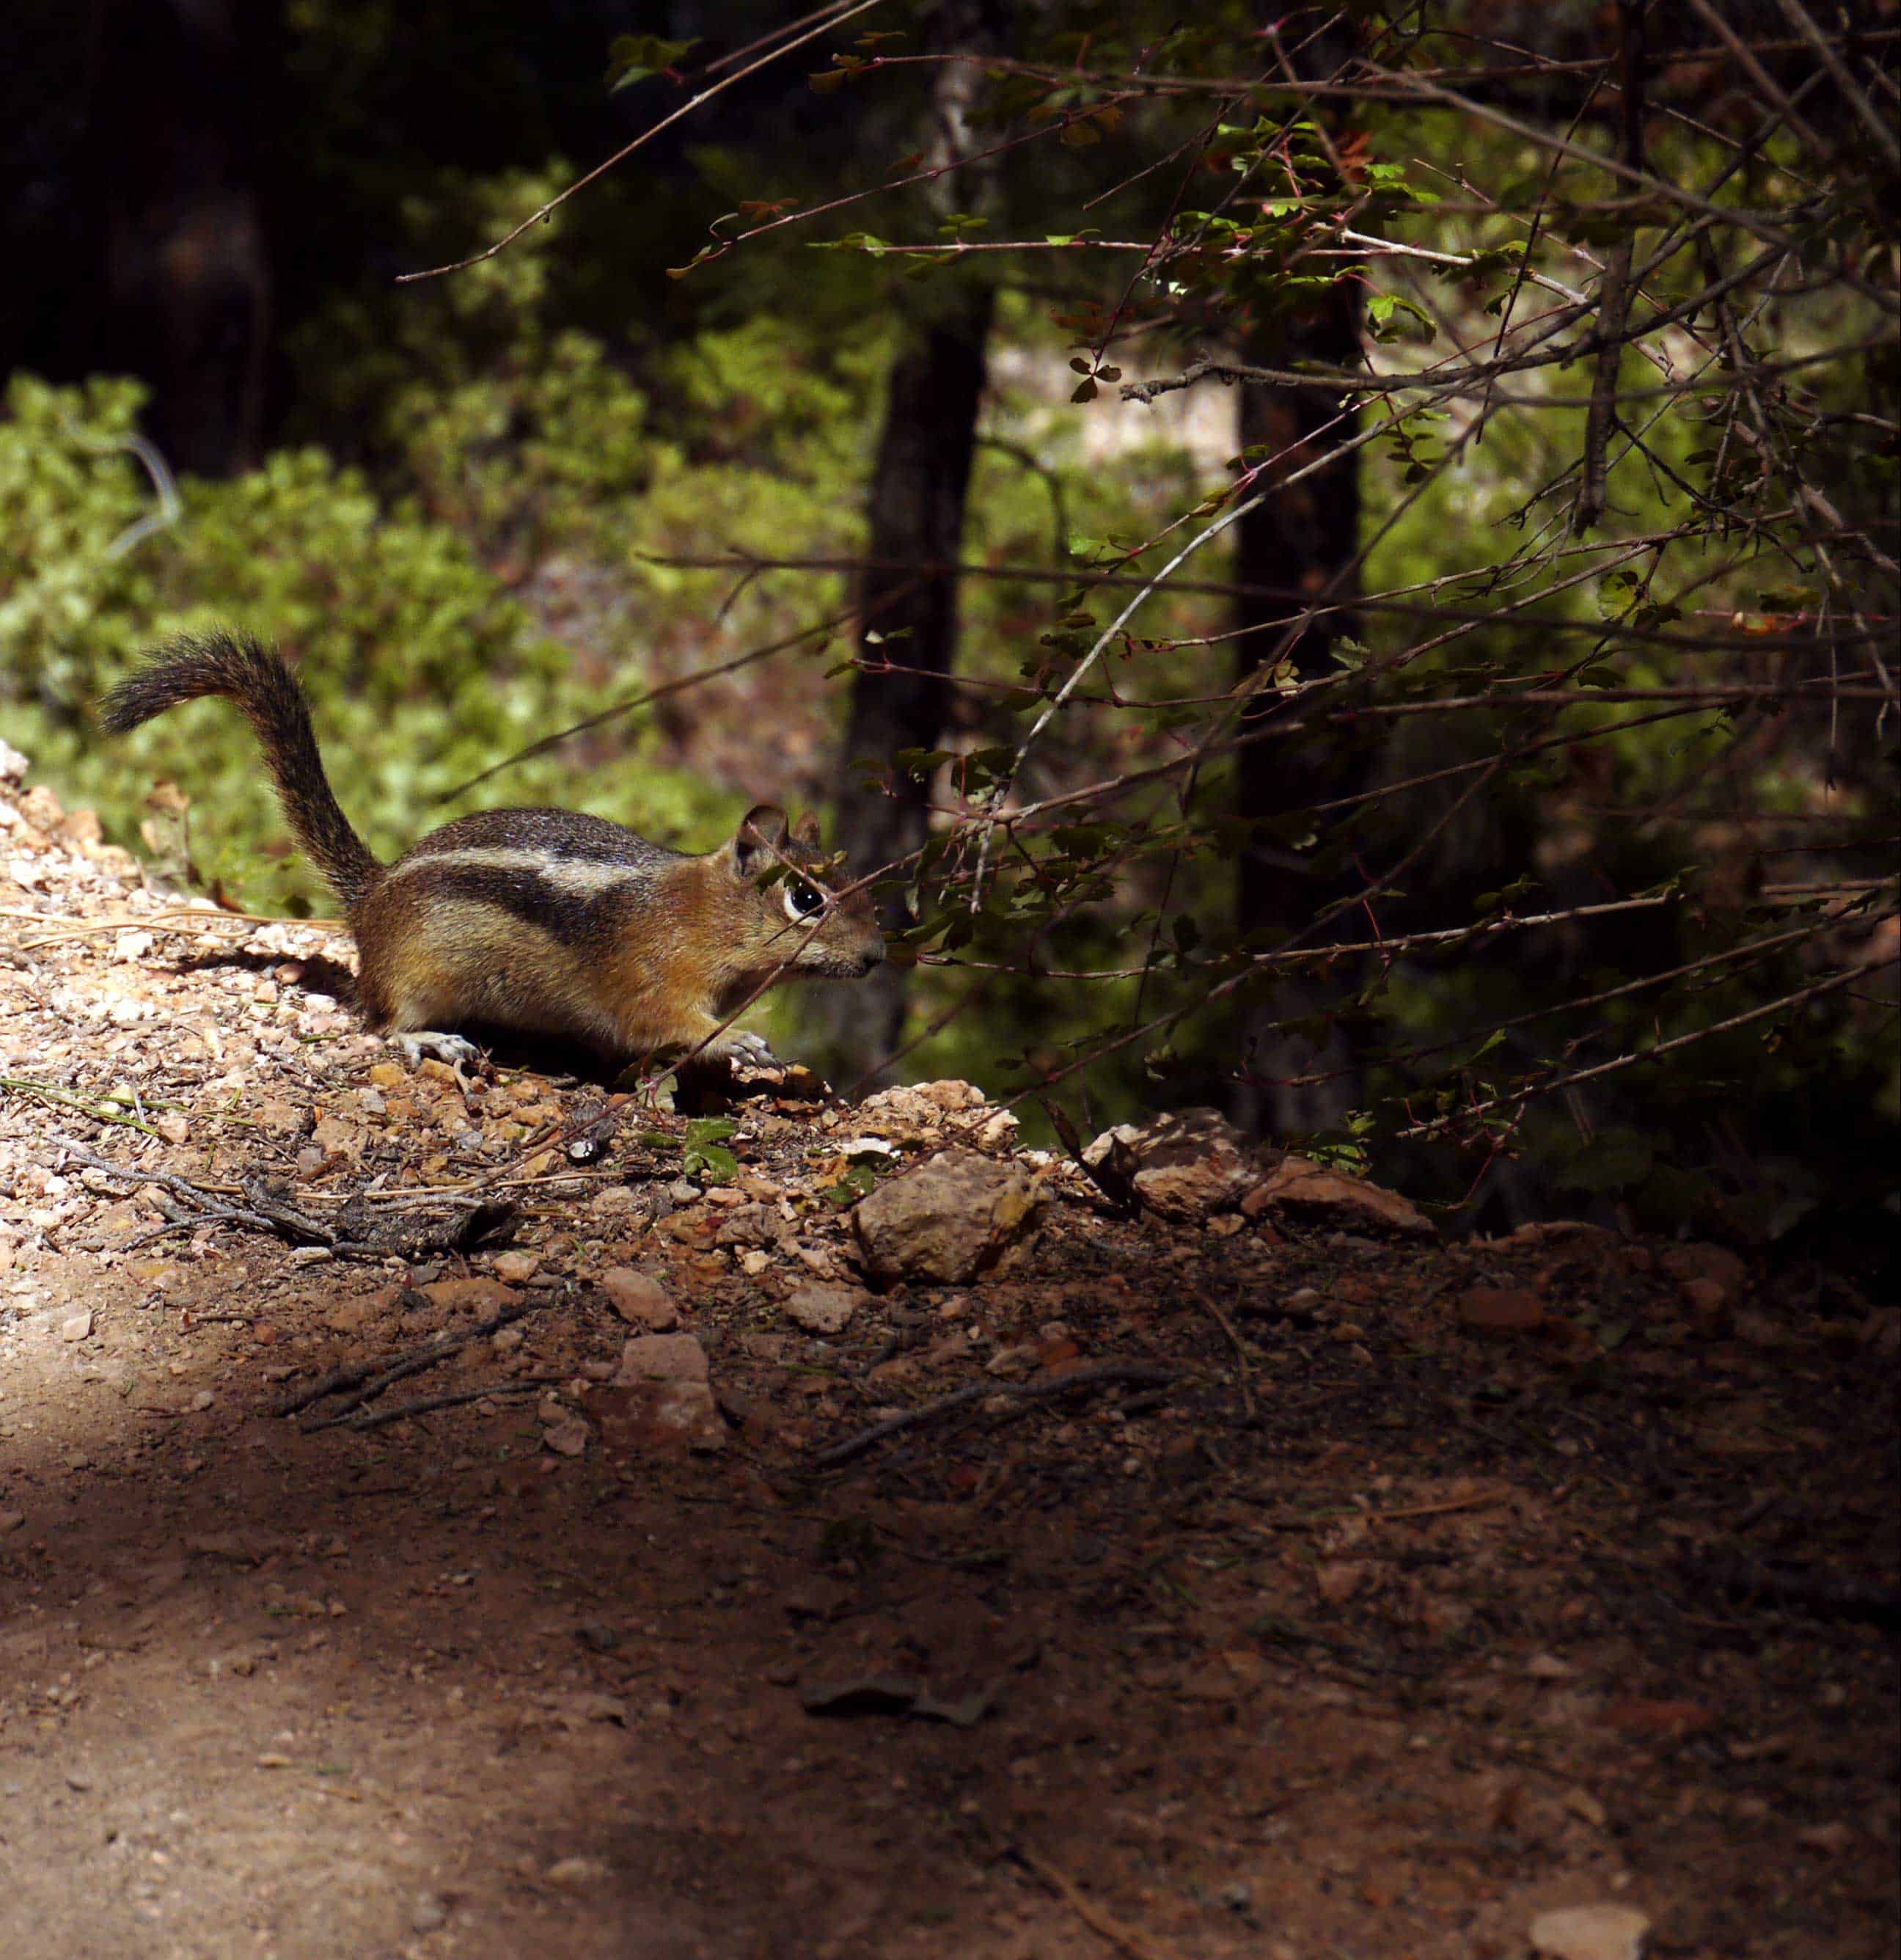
{"x":477,"y":1515}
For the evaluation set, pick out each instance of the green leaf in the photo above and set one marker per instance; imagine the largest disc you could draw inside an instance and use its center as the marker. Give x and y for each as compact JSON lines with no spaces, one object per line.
{"x":631,"y":58}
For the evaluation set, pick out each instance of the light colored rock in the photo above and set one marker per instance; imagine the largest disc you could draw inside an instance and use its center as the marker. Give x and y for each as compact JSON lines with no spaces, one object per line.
{"x":1297,"y":1185}
{"x":639,"y":1299}
{"x":824,"y":1309}
{"x":77,"y":1327}
{"x":751,"y":1225}
{"x":512,"y":1268}
{"x":924,"y":1112}
{"x":662,"y":1357}
{"x":563,"y":1430}
{"x":954,"y":1216}
{"x":1590,"y":1933}
{"x":1185,"y":1165}
{"x":473,"y":1297}
{"x":662,"y":1399}
{"x":574,"y":1873}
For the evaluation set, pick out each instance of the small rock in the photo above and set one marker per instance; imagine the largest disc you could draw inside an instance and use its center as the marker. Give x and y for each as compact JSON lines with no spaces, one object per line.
{"x":564,"y":1432}
{"x":1297,"y":1185}
{"x":428,"y":1914}
{"x":751,"y":1225}
{"x":663,"y":1357}
{"x":470,"y":1297}
{"x":1185,"y":1165}
{"x":1591,"y":1933}
{"x":1750,"y":1324}
{"x":923,"y":1112}
{"x":639,"y":1299}
{"x":517,"y":1268}
{"x":77,"y":1327}
{"x":662,"y":1398}
{"x":1340,"y":1579}
{"x":1721,"y":1272}
{"x":824,"y":1309}
{"x":1832,"y":1839}
{"x":12,"y":1521}
{"x":1500,"y":1310}
{"x":948,"y":1220}
{"x":78,"y":1779}
{"x":576,"y":1871}
{"x":1643,"y":1715}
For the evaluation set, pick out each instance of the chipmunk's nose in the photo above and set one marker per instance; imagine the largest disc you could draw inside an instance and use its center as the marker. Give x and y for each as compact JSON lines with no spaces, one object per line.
{"x":872,"y":955}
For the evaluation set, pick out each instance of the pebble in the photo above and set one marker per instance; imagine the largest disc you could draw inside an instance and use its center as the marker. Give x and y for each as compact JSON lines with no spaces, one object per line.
{"x":639,"y":1298}
{"x":77,"y":1327}
{"x":1590,"y":1933}
{"x":576,"y":1871}
{"x":824,"y":1309}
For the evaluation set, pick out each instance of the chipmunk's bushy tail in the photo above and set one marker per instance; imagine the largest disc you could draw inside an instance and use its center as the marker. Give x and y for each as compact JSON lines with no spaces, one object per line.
{"x":244,"y":671}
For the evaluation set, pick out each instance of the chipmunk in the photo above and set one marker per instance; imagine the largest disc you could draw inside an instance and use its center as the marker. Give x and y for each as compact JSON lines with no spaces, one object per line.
{"x":545,"y":922}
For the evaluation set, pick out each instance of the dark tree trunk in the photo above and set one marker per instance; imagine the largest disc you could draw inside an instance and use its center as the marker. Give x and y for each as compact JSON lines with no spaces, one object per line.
{"x":136,"y":202}
{"x":908,"y":613}
{"x":918,"y":488}
{"x":1300,"y":543}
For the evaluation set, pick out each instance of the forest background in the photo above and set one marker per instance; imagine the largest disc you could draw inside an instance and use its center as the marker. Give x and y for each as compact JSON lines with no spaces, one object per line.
{"x":1348,"y":556}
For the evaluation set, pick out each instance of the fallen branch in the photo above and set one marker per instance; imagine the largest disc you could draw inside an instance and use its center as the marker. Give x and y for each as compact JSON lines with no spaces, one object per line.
{"x":263,"y":1211}
{"x":1138,"y":1944}
{"x":1147,"y":1374}
{"x":1227,"y":1327}
{"x":372,"y":1378}
{"x":427,"y":1405}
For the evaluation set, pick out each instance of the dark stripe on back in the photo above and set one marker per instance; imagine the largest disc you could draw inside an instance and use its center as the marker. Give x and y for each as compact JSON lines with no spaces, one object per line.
{"x":583,"y":921}
{"x":551,"y":833}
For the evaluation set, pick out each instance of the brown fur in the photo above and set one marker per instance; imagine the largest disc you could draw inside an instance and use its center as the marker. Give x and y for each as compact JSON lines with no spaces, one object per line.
{"x":548,"y":922}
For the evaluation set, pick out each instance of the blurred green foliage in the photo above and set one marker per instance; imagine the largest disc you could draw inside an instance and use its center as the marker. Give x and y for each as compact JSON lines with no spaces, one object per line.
{"x":422,"y":667}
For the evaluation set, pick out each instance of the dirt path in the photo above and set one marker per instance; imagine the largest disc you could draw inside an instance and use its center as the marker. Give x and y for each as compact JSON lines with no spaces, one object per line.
{"x":1389,"y":1597}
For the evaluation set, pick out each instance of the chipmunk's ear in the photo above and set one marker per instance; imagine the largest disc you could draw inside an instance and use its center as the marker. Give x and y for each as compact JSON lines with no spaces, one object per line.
{"x":757,"y":842}
{"x":805,"y":831}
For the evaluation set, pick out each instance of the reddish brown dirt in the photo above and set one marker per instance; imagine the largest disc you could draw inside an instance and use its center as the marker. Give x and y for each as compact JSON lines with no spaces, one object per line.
{"x":1440,"y":1588}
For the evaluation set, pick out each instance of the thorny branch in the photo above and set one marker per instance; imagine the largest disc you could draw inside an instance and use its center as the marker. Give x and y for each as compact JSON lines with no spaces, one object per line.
{"x":1727,"y":190}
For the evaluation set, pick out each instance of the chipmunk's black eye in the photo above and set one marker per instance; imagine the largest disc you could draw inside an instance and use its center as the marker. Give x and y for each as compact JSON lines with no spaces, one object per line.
{"x":803,"y":901}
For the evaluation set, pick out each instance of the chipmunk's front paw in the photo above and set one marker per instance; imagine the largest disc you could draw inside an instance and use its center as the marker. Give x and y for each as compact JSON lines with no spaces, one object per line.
{"x":457,"y":1053}
{"x":739,"y":1048}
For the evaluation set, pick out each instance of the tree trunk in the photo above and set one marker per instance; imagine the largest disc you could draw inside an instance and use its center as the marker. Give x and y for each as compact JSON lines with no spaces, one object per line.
{"x":143,"y":208}
{"x":1294,"y":549}
{"x":908,"y":615}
